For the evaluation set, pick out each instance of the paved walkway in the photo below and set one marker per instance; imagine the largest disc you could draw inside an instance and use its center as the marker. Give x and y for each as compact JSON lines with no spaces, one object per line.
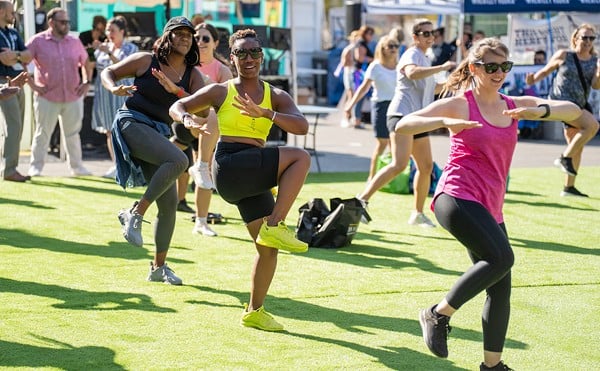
{"x":349,"y":150}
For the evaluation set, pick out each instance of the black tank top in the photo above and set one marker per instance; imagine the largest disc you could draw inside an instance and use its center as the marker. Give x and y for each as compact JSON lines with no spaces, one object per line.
{"x":358,"y":64}
{"x":151,"y":98}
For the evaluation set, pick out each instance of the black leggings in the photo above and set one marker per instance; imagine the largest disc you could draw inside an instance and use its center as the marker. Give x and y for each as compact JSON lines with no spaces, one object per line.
{"x":492,"y":257}
{"x":162,"y":163}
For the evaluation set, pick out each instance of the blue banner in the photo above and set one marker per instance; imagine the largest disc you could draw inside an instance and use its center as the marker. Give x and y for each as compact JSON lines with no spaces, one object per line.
{"x":531,"y":6}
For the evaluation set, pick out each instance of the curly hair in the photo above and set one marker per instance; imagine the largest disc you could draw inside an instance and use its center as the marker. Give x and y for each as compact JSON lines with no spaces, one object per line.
{"x":246,"y":33}
{"x":163,"y":47}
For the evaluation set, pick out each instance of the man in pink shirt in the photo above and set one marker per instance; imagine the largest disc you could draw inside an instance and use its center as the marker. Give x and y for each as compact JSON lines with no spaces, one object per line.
{"x":59,"y":92}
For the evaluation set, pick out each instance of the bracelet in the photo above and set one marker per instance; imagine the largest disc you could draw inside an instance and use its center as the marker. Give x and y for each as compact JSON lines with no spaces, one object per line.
{"x":180,"y":93}
{"x":18,"y":57}
{"x":274,"y":114}
{"x":184,"y":115}
{"x":547,"y":107}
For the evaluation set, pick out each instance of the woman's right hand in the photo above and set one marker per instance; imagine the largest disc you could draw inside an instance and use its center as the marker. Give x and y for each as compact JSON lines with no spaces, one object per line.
{"x":124,"y":90}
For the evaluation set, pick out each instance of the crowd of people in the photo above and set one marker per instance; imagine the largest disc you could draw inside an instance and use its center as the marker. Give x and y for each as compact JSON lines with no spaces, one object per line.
{"x":182,"y":109}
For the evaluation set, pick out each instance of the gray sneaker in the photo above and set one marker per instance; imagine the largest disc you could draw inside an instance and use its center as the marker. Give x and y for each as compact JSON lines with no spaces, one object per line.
{"x":163,"y":274}
{"x":131,"y":224}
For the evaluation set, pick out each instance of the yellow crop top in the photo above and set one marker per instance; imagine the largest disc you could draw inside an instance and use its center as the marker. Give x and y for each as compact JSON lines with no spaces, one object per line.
{"x":233,"y":123}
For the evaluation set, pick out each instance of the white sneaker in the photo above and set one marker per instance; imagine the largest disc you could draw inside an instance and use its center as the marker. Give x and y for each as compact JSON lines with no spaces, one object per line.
{"x":203,"y":229}
{"x":34,"y":172}
{"x":202,"y":176}
{"x":111,"y":173}
{"x":417,"y":218}
{"x":80,"y":171}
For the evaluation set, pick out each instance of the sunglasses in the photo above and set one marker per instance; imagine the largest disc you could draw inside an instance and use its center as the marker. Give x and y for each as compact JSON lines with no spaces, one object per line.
{"x":182,"y":34}
{"x":63,"y":22}
{"x":242,"y":54}
{"x":493,"y":67}
{"x":424,"y":33}
{"x":393,"y":46}
{"x":587,"y":38}
{"x":205,"y":39}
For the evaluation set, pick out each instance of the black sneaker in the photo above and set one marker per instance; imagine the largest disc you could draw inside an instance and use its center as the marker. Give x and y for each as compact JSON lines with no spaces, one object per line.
{"x":566,"y":165}
{"x":572,"y":192}
{"x":183,"y":206}
{"x":435,"y":331}
{"x":499,"y":367}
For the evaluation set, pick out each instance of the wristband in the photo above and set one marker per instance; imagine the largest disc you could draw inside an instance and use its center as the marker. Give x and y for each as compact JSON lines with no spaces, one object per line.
{"x":547,"y":107}
{"x":184,"y":115}
{"x":180,"y":93}
{"x":18,"y":57}
{"x":273,"y":117}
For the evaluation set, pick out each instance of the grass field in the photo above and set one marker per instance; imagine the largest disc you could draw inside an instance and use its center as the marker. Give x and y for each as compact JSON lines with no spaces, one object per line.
{"x":74,"y":296}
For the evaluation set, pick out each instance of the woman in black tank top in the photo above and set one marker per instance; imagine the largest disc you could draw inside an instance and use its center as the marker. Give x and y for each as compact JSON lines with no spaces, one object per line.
{"x":141,"y":132}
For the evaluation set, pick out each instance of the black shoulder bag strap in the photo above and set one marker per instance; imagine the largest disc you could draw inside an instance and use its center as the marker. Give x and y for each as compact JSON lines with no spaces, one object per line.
{"x":583,"y":83}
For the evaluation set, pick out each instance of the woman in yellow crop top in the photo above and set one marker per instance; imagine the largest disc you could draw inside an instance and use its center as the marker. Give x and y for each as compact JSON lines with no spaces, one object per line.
{"x":244,"y":170}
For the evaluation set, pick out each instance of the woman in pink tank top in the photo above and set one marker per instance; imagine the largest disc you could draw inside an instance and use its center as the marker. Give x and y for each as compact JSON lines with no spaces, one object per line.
{"x":469,"y":197}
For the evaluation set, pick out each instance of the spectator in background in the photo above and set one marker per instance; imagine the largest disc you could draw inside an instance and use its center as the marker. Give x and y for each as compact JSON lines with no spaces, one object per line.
{"x":478,"y":35}
{"x":346,"y":69}
{"x":58,"y":59}
{"x":397,"y":34}
{"x":106,"y":104}
{"x":13,"y":57}
{"x":362,"y":57}
{"x":578,"y":70}
{"x":539,"y":57}
{"x":93,"y":38}
{"x":381,"y":74}
{"x":442,"y":51}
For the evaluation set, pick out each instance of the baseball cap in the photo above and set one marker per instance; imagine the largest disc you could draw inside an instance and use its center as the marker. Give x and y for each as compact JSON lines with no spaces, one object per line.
{"x":179,"y":22}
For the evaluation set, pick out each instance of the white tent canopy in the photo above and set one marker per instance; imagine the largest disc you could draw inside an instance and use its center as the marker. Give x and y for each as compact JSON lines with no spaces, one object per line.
{"x":412,"y":6}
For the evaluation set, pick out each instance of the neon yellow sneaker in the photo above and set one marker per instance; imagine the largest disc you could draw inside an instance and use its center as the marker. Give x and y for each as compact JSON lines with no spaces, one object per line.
{"x":279,"y":237}
{"x":260,"y":319}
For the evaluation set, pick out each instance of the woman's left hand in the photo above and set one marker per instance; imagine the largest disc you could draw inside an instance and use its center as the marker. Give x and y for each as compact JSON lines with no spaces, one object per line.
{"x":525,"y":113}
{"x":165,"y":81}
{"x":197,"y":125}
{"x":247,"y":106}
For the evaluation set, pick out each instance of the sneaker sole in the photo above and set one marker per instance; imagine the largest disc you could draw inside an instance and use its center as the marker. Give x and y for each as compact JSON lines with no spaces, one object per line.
{"x":134,"y":243}
{"x":567,"y":194}
{"x":281,"y":247}
{"x":423,"y":324}
{"x":258,"y":326}
{"x":562,"y":168}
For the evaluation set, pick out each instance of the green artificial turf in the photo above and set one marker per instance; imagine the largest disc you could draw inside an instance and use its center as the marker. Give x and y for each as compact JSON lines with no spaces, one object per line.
{"x":73,"y":293}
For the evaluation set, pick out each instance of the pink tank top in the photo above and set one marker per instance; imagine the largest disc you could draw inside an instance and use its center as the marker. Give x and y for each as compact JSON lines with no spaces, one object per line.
{"x":479,"y":161}
{"x":211,"y":70}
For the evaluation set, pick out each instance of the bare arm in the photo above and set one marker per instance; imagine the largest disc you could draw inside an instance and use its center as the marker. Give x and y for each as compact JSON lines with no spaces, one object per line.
{"x":555,"y":61}
{"x":533,"y":108}
{"x":360,"y":92}
{"x":414,"y":72}
{"x":132,"y":66}
{"x":596,"y":78}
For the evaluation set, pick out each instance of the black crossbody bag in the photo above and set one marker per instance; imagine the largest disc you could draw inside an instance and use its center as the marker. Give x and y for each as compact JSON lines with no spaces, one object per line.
{"x":583,"y":84}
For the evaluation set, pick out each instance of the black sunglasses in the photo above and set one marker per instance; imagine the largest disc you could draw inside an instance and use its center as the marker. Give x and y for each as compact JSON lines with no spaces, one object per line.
{"x":205,"y":39}
{"x":588,"y":38}
{"x":242,"y":54}
{"x":424,"y":33}
{"x":393,"y":46}
{"x":493,"y":67}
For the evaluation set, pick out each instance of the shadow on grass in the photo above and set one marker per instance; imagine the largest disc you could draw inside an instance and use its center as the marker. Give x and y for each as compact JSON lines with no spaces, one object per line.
{"x":553,"y":205}
{"x":122,"y":250}
{"x":57,"y":355}
{"x":81,"y":299}
{"x":557,"y":247}
{"x":377,"y":257}
{"x":77,"y":184}
{"x":356,"y":323}
{"x":24,"y":203}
